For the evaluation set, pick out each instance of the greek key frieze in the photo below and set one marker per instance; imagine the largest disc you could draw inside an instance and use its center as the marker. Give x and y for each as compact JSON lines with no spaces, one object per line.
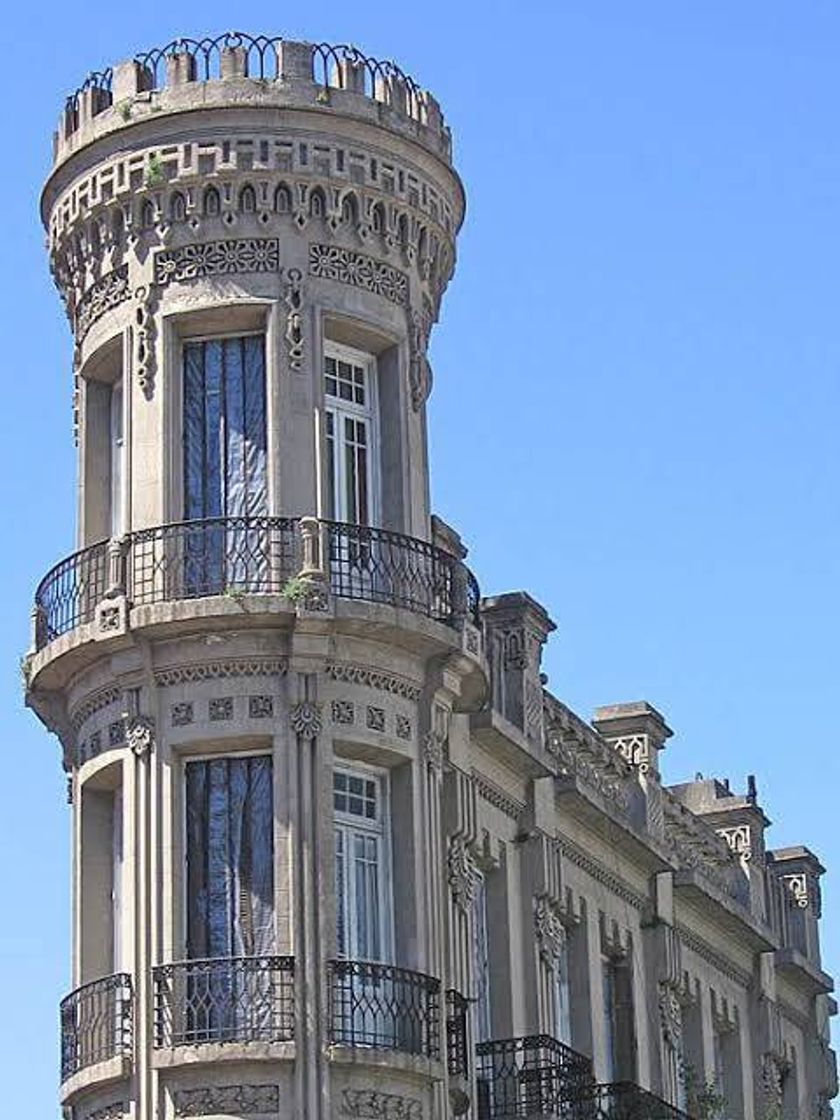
{"x":329,"y":262}
{"x":217,"y":258}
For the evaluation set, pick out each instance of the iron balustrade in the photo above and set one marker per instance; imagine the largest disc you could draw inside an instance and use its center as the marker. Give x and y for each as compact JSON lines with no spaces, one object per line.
{"x":67,"y":595}
{"x":96,"y":1023}
{"x":533,"y":1077}
{"x":624,"y":1100}
{"x":457,"y":1055}
{"x":226,"y":999}
{"x":384,"y":1007}
{"x":254,"y":555}
{"x":213,"y":556}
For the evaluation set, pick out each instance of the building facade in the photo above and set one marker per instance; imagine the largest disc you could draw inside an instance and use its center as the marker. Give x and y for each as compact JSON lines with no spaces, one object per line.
{"x":336,"y":850}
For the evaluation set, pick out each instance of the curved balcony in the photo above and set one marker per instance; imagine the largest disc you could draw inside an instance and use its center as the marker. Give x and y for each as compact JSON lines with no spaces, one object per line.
{"x":535,"y":1076}
{"x":384,"y":1008}
{"x":226,"y":999}
{"x":300,"y":558}
{"x":624,"y":1100}
{"x":96,"y":1024}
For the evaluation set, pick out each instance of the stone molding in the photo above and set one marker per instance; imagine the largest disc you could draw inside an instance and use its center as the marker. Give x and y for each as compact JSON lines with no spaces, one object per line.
{"x":711,"y":956}
{"x":497,"y":797}
{"x":331,"y":262}
{"x":597,"y":871}
{"x":108,"y":291}
{"x":373,"y":678}
{"x":221,"y":670}
{"x":216,"y":258}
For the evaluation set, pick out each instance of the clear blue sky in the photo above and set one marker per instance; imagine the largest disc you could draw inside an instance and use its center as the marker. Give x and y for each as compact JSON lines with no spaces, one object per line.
{"x":636,"y":397}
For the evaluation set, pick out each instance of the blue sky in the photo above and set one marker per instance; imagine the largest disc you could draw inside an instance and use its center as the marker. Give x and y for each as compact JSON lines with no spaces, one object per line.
{"x":636,"y":385}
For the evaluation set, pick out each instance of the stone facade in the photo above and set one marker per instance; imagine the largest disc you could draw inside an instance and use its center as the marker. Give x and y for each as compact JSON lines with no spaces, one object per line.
{"x":475,"y":902}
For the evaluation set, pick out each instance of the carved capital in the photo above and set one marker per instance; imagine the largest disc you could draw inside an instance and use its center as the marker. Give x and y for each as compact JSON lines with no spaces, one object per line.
{"x":462,"y":872}
{"x":307,"y":719}
{"x":549,"y":929}
{"x":139,"y":734}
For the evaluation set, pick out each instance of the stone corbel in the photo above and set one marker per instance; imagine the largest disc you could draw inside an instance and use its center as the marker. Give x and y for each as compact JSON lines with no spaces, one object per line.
{"x":293,"y":298}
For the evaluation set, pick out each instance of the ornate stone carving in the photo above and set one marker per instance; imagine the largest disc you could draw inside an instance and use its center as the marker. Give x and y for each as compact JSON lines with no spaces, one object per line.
{"x":798,"y":888}
{"x":144,"y":350}
{"x":93,"y":704}
{"x":343,"y":711}
{"x":260,"y":707}
{"x":670,"y":1015}
{"x":241,"y":1100}
{"x":636,"y":749}
{"x":217,"y":258}
{"x":115,"y":1111}
{"x":373,"y":678}
{"x":293,"y":298}
{"x":549,"y":929}
{"x":739,"y":840}
{"x":402,"y":726}
{"x":329,"y":262}
{"x":182,"y":714}
{"x":306,"y":719}
{"x":375,"y":718}
{"x":491,"y":793}
{"x":433,"y":750}
{"x":419,"y":370}
{"x":772,"y":1084}
{"x":139,"y":733}
{"x":116,"y":733}
{"x":220,"y":670}
{"x":462,"y":872}
{"x":371,"y":1104}
{"x":108,"y":291}
{"x":220,"y":708}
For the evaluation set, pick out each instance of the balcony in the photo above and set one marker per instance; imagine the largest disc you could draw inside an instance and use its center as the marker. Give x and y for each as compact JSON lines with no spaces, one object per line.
{"x":533,"y":1078}
{"x":384,"y":1008}
{"x":96,"y":1025}
{"x":238,"y":556}
{"x":624,"y":1100}
{"x":224,"y":1000}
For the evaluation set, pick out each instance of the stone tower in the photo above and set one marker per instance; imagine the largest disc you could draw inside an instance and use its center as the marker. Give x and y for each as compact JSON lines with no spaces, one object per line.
{"x":255,"y":657}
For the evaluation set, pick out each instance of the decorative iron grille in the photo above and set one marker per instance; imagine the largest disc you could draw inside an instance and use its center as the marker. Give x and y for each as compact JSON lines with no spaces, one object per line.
{"x":624,"y":1100}
{"x":230,"y":999}
{"x":332,"y":66}
{"x":384,"y":1007}
{"x":213,"y":556}
{"x":67,"y":595}
{"x":253,"y":555}
{"x":535,"y":1077}
{"x":96,"y":1023}
{"x":457,"y":1056}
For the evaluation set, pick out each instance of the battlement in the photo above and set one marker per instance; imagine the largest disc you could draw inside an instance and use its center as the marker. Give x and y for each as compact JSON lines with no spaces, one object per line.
{"x":236,"y":68}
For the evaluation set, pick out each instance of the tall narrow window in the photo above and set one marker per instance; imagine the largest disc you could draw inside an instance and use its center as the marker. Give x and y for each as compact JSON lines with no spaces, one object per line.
{"x":230,"y":862}
{"x":225,"y":473}
{"x":352,"y":476}
{"x":481,"y":953}
{"x":362,"y":890}
{"x":562,"y":1002}
{"x":117,"y":457}
{"x":619,"y":1024}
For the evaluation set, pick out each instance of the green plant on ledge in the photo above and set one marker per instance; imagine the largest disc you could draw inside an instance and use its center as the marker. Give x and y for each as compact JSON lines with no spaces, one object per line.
{"x":235,"y":593}
{"x":124,"y":109}
{"x":298,"y":588}
{"x":703,"y":1101}
{"x":154,"y":171}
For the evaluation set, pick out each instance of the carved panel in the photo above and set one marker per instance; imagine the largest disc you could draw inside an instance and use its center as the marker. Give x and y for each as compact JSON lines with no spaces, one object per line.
{"x":217,"y":258}
{"x":241,"y":1100}
{"x":371,"y":1104}
{"x":329,"y":262}
{"x":108,"y":291}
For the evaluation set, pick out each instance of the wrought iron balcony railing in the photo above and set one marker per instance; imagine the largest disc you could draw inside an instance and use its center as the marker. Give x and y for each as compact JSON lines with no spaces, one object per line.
{"x":96,"y":1023}
{"x":254,"y":555}
{"x":537,"y":1078}
{"x":226,"y":999}
{"x":624,"y":1100}
{"x":384,"y":1007}
{"x":457,"y":1054}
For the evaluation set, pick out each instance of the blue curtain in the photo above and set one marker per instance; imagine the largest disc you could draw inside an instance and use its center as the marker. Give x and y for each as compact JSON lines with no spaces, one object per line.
{"x":225,"y":472}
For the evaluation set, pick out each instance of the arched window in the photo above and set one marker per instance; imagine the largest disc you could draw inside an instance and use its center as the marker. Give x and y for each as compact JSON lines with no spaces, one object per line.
{"x":317,"y":204}
{"x":402,"y":231}
{"x":147,"y":214}
{"x":212,"y":204}
{"x":248,"y":200}
{"x":177,"y":207}
{"x":378,"y":218}
{"x":282,"y":199}
{"x":350,"y":210}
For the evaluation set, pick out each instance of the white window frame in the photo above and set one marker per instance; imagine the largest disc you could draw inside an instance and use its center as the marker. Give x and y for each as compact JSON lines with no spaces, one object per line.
{"x":368,"y":412}
{"x":382,"y":830}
